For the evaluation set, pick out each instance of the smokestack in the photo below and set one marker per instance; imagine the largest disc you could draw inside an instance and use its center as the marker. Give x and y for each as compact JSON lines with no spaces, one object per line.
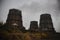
{"x":15,"y":18}
{"x":33,"y":26}
{"x":46,"y":23}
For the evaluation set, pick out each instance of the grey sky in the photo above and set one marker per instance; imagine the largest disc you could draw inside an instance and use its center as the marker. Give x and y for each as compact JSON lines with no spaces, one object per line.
{"x":31,"y":10}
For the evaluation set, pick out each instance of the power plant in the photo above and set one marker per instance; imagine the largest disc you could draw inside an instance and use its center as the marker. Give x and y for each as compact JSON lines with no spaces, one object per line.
{"x":13,"y":29}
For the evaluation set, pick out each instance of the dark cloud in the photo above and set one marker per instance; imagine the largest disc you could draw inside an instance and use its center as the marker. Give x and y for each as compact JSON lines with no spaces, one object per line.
{"x":0,"y":8}
{"x":1,"y":1}
{"x":58,"y":4}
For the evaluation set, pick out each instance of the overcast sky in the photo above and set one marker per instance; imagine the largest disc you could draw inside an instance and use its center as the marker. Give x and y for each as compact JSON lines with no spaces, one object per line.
{"x":31,"y":10}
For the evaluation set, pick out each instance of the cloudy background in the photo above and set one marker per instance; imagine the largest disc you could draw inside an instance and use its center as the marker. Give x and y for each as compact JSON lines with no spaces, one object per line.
{"x":31,"y":10}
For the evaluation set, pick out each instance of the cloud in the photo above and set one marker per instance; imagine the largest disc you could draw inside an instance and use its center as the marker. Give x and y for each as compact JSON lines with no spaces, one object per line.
{"x":32,"y":9}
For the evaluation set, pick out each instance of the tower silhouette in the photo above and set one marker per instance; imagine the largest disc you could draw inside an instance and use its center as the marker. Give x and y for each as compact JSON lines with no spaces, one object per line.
{"x":15,"y":19}
{"x":46,"y":23}
{"x":33,"y":26}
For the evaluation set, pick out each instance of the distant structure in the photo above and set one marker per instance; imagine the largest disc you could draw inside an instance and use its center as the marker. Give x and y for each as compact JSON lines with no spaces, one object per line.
{"x":46,"y":23}
{"x":33,"y":26}
{"x":13,"y":29}
{"x":15,"y":19}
